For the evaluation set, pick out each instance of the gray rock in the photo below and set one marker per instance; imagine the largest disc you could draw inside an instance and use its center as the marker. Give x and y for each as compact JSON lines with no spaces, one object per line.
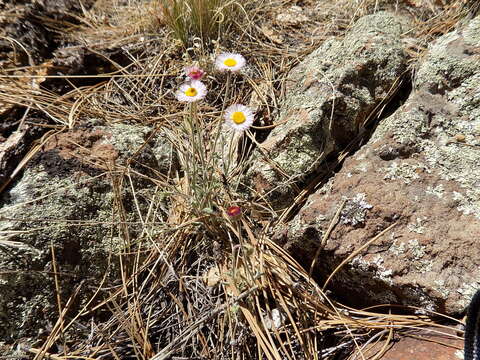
{"x":64,"y":201}
{"x":329,"y":96}
{"x":420,"y":170}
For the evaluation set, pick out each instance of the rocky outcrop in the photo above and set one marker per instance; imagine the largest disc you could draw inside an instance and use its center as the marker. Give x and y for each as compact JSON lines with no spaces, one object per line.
{"x":64,"y":207}
{"x":420,"y":171}
{"x":81,"y":200}
{"x":329,"y":96}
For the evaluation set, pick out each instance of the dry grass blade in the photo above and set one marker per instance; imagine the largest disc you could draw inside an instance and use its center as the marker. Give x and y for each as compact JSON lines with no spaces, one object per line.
{"x":193,"y":329}
{"x":326,"y":235}
{"x":356,"y":252}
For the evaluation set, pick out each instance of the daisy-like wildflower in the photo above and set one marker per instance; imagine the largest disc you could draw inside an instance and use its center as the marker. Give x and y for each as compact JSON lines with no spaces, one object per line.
{"x":229,"y":61}
{"x":239,"y":117}
{"x":194,"y":72}
{"x":234,"y":212}
{"x":191,"y":91}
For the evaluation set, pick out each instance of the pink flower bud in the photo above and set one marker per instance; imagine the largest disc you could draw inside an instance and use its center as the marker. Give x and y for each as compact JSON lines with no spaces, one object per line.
{"x":194,"y":72}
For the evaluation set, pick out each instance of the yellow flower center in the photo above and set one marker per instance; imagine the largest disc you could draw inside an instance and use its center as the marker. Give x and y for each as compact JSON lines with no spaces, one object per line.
{"x":191,"y":92}
{"x":238,"y":117}
{"x":230,"y":62}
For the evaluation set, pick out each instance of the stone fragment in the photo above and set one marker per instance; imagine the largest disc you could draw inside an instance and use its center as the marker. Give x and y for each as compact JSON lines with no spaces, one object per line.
{"x":423,"y":344}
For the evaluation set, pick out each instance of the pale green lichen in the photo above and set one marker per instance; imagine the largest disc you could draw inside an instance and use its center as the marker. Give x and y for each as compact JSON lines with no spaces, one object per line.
{"x":407,"y":172}
{"x":362,"y":167}
{"x":437,"y":191}
{"x":446,"y":57}
{"x":51,"y":205}
{"x":467,"y":290}
{"x":462,"y":167}
{"x":418,"y":252}
{"x":355,"y":210}
{"x":397,"y":248}
{"x":331,"y":87}
{"x":375,"y":267}
{"x":435,"y":150}
{"x":327,"y":188}
{"x":82,"y":250}
{"x":468,"y":202}
{"x":381,"y":272}
{"x":431,"y":131}
{"x":404,"y":131}
{"x":441,"y":288}
{"x":306,"y":234}
{"x":418,"y":226}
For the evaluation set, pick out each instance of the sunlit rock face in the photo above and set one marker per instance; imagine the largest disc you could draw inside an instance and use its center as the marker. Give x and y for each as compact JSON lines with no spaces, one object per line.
{"x":328,"y":98}
{"x":420,"y":171}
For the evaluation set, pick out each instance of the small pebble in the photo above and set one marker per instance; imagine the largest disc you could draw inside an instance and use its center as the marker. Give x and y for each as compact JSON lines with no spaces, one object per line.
{"x":460,"y":138}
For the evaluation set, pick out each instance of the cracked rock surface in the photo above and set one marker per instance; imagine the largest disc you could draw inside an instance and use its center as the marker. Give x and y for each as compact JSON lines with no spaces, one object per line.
{"x":420,"y":170}
{"x":329,"y":96}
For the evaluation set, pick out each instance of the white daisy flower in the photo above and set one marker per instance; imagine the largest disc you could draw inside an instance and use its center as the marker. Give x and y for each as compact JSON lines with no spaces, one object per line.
{"x":239,"y":117}
{"x":229,"y":61}
{"x":191,"y":91}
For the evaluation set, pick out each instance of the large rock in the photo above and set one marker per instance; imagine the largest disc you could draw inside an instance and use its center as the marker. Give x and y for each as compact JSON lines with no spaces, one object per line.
{"x":420,"y":170}
{"x":329,"y":96}
{"x":65,"y":202}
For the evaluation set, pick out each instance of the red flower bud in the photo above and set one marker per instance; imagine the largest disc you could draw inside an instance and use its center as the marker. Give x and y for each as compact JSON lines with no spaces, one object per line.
{"x":234,"y":212}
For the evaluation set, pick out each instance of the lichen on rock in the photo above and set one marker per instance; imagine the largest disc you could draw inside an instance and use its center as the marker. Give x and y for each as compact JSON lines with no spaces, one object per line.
{"x":329,"y":96}
{"x":65,"y":206}
{"x":423,"y":176}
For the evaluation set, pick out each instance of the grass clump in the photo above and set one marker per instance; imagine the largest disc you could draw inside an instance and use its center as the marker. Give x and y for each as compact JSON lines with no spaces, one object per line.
{"x":203,"y":19}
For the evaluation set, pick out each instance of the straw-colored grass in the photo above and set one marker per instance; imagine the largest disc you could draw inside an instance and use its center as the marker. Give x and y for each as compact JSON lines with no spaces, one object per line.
{"x":199,"y":20}
{"x":195,"y":283}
